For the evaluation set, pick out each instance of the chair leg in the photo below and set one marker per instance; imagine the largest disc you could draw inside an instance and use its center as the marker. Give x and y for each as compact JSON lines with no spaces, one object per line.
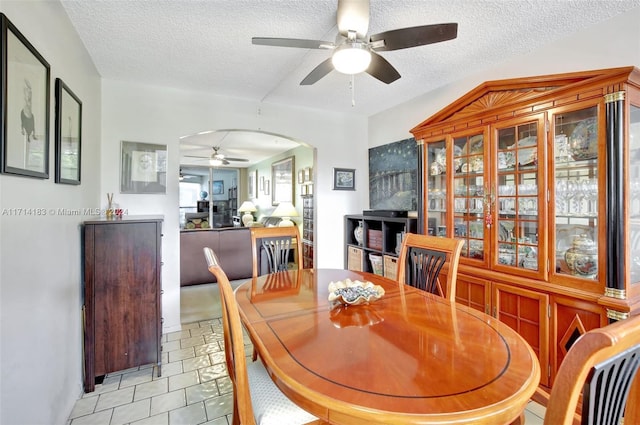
{"x":235,"y":419}
{"x":254,"y":355}
{"x":519,"y":420}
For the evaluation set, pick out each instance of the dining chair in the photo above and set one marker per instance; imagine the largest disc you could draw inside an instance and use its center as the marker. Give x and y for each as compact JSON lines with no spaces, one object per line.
{"x":273,"y":249}
{"x":601,"y":367}
{"x":256,"y":399}
{"x":421,"y":260}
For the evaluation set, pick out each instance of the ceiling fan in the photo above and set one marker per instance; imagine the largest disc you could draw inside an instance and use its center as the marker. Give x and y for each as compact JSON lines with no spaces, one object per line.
{"x":354,"y":52}
{"x":217,"y":158}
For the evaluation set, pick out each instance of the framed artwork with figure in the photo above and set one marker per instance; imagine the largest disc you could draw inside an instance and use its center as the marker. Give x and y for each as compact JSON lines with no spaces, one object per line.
{"x":68,"y":134}
{"x":143,"y":168}
{"x":24,"y":127}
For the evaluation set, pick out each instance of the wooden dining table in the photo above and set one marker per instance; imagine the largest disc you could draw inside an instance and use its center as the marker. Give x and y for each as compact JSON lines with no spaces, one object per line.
{"x":408,"y":358}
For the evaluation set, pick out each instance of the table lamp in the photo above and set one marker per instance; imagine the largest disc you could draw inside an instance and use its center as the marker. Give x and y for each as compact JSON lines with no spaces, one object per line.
{"x":286,"y":210}
{"x":247,"y":208}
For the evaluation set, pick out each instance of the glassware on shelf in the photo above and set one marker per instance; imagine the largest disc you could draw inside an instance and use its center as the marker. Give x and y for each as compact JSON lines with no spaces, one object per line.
{"x":634,"y":202}
{"x":573,"y":195}
{"x":590,"y":188}
{"x":561,"y":148}
{"x":562,"y":193}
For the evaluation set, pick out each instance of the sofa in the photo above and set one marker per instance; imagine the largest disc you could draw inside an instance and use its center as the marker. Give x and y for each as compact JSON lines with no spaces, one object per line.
{"x":232,"y":246}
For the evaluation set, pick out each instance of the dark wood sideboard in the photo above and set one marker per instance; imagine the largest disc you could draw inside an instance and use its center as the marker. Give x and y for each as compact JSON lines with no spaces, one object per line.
{"x":122,"y":288}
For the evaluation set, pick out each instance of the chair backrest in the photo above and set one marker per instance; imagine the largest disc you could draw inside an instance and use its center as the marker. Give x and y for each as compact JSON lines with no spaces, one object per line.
{"x":601,"y":367}
{"x":233,"y":343}
{"x":273,"y":249}
{"x":421,"y":260}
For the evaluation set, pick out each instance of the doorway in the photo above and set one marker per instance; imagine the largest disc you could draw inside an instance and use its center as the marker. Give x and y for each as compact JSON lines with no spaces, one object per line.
{"x":208,"y":197}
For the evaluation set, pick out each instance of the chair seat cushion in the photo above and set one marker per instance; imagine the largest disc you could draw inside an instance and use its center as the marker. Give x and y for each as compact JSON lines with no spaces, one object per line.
{"x":270,"y":405}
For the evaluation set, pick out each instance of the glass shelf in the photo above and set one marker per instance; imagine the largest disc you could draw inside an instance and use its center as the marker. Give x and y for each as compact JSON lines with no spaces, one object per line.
{"x":575,"y":191}
{"x":437,"y":189}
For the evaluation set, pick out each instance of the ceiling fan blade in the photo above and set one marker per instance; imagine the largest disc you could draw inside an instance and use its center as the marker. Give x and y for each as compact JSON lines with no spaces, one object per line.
{"x":293,"y":42}
{"x":236,"y":159}
{"x":381,"y":69}
{"x":318,"y":72}
{"x":414,"y":36}
{"x":194,"y":156}
{"x":353,"y":15}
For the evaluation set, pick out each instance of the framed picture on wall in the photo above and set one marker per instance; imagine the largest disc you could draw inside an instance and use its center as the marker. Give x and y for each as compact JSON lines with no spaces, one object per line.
{"x":143,"y":168}
{"x":218,"y":187}
{"x":253,"y":184}
{"x":68,"y":134}
{"x":344,"y":179}
{"x":282,"y":180}
{"x":24,"y":126}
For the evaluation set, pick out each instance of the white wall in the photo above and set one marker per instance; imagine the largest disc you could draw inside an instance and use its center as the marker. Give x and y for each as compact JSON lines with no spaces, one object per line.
{"x":40,"y":275}
{"x":161,"y":115}
{"x":611,"y":44}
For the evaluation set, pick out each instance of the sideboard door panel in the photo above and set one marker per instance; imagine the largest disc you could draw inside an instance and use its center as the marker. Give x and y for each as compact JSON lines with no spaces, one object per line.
{"x":122,"y":271}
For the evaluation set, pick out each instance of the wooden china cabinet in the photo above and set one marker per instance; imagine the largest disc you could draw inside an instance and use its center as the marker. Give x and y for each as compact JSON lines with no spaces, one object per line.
{"x":540,"y":177}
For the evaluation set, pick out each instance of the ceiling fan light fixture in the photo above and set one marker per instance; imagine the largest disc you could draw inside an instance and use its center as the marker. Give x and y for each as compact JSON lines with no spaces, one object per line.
{"x":351,"y":58}
{"x":215,"y":161}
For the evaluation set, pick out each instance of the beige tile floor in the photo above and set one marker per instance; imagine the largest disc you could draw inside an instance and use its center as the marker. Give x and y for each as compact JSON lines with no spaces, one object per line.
{"x":194,"y":387}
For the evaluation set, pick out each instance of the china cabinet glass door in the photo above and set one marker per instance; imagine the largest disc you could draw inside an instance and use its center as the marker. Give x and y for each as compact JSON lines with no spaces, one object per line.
{"x":436,"y":188}
{"x":634,"y":192}
{"x":519,"y":211}
{"x":469,"y":194}
{"x":576,"y":193}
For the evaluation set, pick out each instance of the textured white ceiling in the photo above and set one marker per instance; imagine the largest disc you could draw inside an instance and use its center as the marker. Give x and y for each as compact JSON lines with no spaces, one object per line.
{"x":205,"y":45}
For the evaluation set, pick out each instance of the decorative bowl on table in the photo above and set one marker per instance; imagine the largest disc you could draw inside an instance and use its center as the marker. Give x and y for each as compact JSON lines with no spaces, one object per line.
{"x":354,"y":292}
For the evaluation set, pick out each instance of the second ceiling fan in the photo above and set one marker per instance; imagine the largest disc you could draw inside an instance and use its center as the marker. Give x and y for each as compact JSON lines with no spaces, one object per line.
{"x":354,"y":52}
{"x":217,"y":158}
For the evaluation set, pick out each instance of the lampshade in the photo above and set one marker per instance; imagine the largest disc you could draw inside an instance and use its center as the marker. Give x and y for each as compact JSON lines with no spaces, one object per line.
{"x":247,"y":208}
{"x":286,"y":210}
{"x":351,"y":58}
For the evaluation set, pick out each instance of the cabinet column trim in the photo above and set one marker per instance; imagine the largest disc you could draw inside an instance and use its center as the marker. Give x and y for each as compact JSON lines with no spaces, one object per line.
{"x":614,"y":103}
{"x":617,"y":315}
{"x":421,"y":192}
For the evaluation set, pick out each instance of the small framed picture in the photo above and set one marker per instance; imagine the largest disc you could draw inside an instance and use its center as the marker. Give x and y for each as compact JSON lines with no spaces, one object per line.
{"x":68,"y":134}
{"x":308,"y":174}
{"x":218,"y":187}
{"x":253,"y":184}
{"x":266,"y":187}
{"x":300,"y":176}
{"x":344,"y":179}
{"x":24,"y":125}
{"x":143,"y":168}
{"x":262,"y":183}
